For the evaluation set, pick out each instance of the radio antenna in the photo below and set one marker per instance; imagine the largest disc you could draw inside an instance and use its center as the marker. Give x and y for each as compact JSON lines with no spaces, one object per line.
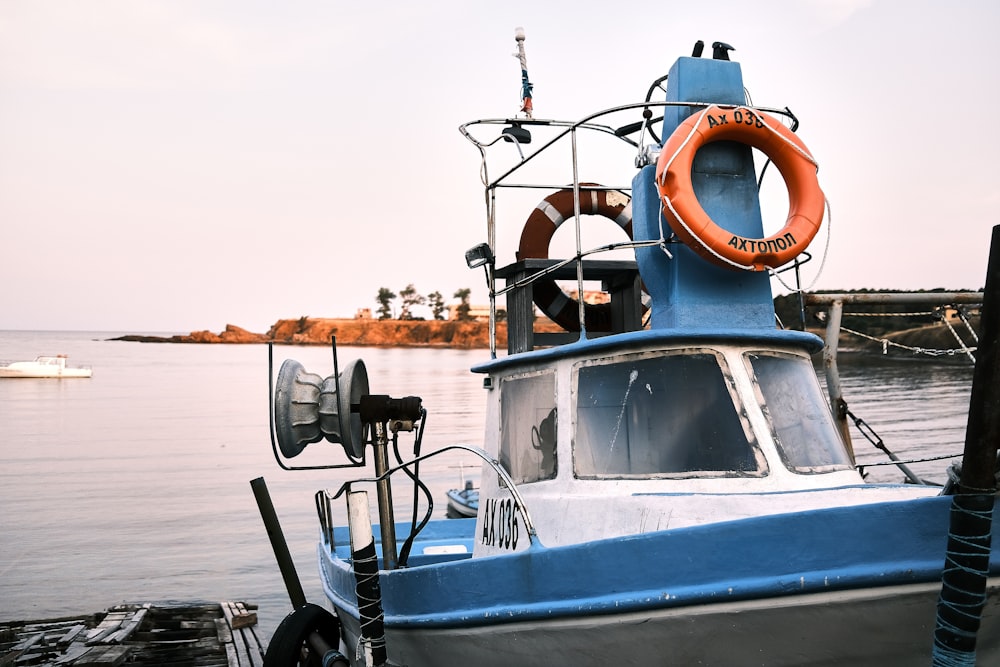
{"x":525,"y":84}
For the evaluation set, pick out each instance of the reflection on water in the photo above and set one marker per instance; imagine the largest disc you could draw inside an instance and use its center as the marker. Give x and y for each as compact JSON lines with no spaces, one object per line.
{"x":134,"y":485}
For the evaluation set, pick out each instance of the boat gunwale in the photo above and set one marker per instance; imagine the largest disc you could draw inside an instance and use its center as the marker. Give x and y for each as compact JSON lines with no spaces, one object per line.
{"x":750,"y":338}
{"x":912,"y":556}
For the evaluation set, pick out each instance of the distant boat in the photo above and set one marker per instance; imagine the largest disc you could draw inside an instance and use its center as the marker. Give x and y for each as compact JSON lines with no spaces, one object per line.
{"x":463,"y":502}
{"x":44,"y":367}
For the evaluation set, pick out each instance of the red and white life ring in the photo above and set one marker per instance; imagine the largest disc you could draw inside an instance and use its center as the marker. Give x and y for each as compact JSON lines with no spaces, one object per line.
{"x":537,"y":234}
{"x":693,"y":225}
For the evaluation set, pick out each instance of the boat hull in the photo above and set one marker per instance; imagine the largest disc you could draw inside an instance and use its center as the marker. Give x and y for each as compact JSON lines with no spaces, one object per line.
{"x":849,"y":585}
{"x":63,"y":373}
{"x":43,"y":367}
{"x":892,"y":625}
{"x":463,"y":503}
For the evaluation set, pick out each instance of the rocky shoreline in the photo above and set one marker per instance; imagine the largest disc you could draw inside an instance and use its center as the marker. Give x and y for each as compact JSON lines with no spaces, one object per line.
{"x":353,"y":332}
{"x":474,"y":334}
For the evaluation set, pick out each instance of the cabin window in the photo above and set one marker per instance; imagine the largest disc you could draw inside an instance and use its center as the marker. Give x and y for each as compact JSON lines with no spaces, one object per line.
{"x":800,"y":418}
{"x":528,"y":427}
{"x":672,"y":414}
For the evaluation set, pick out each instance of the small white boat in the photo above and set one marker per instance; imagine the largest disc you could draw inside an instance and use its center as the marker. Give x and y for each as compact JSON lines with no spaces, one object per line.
{"x":44,"y":367}
{"x":463,"y":502}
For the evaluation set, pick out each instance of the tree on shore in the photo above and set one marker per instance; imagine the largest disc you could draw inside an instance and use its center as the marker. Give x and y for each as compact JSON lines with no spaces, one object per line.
{"x":384,"y":299}
{"x":436,"y":303}
{"x":410,"y":298}
{"x":462,"y":312}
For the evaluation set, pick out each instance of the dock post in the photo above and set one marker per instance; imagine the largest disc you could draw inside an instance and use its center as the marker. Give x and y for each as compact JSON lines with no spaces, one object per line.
{"x":966,"y":568}
{"x":837,"y":403}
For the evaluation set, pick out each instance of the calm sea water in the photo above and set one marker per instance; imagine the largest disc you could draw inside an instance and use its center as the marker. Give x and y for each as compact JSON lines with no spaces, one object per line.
{"x":133,"y":486}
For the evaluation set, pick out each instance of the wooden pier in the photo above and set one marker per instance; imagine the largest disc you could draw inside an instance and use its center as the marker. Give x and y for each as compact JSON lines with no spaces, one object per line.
{"x":203,"y":635}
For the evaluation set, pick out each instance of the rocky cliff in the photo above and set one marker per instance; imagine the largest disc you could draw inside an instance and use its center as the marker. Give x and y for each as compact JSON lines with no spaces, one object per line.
{"x":317,"y":331}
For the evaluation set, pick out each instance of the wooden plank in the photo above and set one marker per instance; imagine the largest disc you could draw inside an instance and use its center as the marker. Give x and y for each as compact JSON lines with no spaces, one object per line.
{"x":75,"y":650}
{"x":112,"y":623}
{"x":248,"y":648}
{"x":232,"y":656}
{"x":128,"y":626}
{"x":71,"y":634}
{"x":223,"y":632}
{"x":103,"y":656}
{"x":28,"y":642}
{"x":196,"y":635}
{"x":239,"y":656}
{"x":237,"y":615}
{"x":250,"y":634}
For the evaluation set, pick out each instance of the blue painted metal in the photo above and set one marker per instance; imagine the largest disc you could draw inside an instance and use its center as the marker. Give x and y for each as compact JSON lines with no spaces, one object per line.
{"x":842,"y":548}
{"x":687,"y":291}
{"x":636,"y":339}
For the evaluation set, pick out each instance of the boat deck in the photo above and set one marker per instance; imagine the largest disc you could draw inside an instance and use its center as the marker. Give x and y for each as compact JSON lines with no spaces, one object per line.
{"x":209,"y":635}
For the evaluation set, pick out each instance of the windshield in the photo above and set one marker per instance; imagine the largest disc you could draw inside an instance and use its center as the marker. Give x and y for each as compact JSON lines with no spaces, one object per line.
{"x":528,"y":427}
{"x":665,"y":415}
{"x":800,"y":419}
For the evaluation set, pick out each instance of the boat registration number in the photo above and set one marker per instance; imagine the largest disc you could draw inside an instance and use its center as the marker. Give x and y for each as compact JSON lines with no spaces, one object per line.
{"x":500,"y":523}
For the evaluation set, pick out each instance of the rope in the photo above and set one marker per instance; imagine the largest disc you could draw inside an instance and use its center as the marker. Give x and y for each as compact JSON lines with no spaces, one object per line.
{"x":937,"y":313}
{"x":365,"y":561}
{"x":886,"y":343}
{"x":822,"y":262}
{"x":972,"y":332}
{"x":927,"y":459}
{"x":963,"y":580}
{"x":954,"y":333}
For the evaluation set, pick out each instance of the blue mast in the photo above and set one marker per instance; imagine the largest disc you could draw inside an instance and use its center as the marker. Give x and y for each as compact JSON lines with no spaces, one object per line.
{"x":687,"y":291}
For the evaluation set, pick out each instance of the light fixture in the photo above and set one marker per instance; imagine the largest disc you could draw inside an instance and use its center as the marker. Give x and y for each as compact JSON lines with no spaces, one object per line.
{"x":516,"y":134}
{"x":479,"y":255}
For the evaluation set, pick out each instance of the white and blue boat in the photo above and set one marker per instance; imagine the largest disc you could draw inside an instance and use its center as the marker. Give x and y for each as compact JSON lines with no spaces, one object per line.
{"x":663,"y":483}
{"x":463,"y":502}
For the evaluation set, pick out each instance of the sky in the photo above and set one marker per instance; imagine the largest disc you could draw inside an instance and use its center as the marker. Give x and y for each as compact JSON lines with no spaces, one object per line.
{"x":176,"y":165}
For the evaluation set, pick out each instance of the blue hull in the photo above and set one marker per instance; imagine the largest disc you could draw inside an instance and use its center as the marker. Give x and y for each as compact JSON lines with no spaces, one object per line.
{"x":830,"y":558}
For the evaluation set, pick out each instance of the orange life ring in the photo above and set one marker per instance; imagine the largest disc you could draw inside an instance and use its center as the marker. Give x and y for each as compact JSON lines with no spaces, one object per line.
{"x":695,"y":228}
{"x":537,"y":233}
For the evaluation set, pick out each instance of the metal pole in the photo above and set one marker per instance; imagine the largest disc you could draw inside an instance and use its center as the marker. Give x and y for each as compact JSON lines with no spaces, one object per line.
{"x":838,"y":406}
{"x":278,"y":544}
{"x":386,"y":518}
{"x":895,"y":298}
{"x":526,"y":105}
{"x":966,"y":567}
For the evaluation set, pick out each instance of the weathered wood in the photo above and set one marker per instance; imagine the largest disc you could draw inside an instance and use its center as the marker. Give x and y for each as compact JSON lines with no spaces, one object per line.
{"x":232,"y":656}
{"x":128,"y":626}
{"x":222,"y":631}
{"x":72,"y":633}
{"x":103,"y":656}
{"x":246,"y":646}
{"x":29,"y":642}
{"x":111,"y":624}
{"x":200,"y":635}
{"x":74,"y":651}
